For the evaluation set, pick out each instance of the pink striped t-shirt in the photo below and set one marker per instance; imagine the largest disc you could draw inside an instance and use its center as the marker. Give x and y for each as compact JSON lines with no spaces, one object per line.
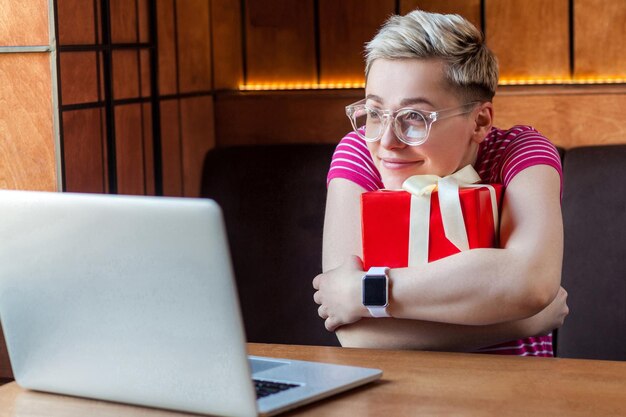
{"x":502,"y":155}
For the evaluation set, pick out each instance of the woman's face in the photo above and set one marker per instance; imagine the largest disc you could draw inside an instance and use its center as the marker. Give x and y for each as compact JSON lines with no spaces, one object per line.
{"x":419,"y":84}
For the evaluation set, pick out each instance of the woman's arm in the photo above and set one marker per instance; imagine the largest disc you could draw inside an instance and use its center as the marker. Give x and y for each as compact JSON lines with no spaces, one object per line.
{"x":423,"y":335}
{"x":479,"y":287}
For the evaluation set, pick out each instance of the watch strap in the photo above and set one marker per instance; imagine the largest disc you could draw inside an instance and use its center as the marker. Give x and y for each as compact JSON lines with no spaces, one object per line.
{"x":378,"y":312}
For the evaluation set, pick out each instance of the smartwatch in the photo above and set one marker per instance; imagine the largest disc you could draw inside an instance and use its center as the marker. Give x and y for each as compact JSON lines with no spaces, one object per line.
{"x":376,"y":291}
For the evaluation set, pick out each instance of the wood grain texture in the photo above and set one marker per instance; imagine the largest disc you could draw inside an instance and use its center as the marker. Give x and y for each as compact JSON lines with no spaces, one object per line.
{"x":129,"y":149}
{"x":194,"y":45}
{"x":345,"y":26}
{"x":227,"y":48}
{"x":24,"y":23}
{"x":148,"y":149}
{"x":198,"y":137}
{"x":75,"y":22}
{"x":469,"y":9}
{"x":529,"y":37}
{"x":166,"y":33}
{"x":171,"y":149}
{"x":461,"y":384}
{"x":79,"y":77}
{"x":126,"y":82}
{"x":280,"y":42}
{"x":413,"y":383}
{"x":143,"y":18}
{"x":578,"y":118}
{"x":123,"y":21}
{"x":599,"y":38}
{"x":83,"y":151}
{"x":290,"y":117}
{"x":145,"y":75}
{"x":27,"y":152}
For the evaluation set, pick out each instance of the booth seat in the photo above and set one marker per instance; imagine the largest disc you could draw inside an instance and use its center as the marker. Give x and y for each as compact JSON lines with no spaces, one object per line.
{"x":273,"y":198}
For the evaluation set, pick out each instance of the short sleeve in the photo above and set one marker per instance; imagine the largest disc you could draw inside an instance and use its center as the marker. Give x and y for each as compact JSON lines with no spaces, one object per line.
{"x":529,"y":148}
{"x":353,"y":161}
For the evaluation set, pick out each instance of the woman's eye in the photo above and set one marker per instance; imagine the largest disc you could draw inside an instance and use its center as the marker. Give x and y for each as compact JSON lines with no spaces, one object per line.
{"x":371,"y":114}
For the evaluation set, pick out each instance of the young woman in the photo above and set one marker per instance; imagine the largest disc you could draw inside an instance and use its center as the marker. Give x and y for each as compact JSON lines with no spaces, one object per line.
{"x":430,"y":80}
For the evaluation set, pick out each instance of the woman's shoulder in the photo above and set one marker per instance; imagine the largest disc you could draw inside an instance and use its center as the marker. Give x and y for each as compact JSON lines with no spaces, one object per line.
{"x":353,"y":161}
{"x":517,"y":132}
{"x":505,"y":141}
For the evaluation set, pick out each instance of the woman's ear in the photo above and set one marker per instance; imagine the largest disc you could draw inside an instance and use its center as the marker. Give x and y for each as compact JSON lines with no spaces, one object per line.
{"x":483,"y":122}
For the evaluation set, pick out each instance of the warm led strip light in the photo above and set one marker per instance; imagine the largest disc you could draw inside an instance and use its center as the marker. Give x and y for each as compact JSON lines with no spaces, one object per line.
{"x":301,"y":86}
{"x":349,"y":85}
{"x":566,"y":81}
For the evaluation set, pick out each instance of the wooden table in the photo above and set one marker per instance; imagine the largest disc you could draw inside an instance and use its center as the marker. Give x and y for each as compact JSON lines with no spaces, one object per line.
{"x":413,"y":384}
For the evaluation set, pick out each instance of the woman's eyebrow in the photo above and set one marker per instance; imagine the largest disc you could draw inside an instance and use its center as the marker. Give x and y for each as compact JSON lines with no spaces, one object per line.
{"x":405,"y":102}
{"x":375,"y":98}
{"x":416,"y":100}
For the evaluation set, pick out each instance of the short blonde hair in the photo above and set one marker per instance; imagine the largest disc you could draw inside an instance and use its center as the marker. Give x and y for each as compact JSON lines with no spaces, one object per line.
{"x":471,"y":68}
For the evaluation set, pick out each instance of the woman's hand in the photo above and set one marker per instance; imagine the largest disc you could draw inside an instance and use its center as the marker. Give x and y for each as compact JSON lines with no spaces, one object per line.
{"x":339,"y":294}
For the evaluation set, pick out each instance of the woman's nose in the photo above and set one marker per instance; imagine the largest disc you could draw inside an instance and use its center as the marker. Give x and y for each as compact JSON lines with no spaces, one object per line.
{"x":389,"y":139}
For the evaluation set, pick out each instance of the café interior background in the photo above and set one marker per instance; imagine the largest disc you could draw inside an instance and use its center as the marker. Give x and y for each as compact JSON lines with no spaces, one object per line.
{"x":127,"y":96}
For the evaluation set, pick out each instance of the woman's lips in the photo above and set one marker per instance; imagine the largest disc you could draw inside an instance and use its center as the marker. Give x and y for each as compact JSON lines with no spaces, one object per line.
{"x":396,"y":164}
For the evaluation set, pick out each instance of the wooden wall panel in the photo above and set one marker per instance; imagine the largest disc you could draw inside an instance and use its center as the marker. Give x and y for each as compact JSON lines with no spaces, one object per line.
{"x":79,"y":77}
{"x":125,"y":74}
{"x":27,"y":155}
{"x":227,"y":48}
{"x":565,"y":117}
{"x":76,"y":22}
{"x":123,"y":21}
{"x":148,"y":149}
{"x":344,"y":28}
{"x":144,"y":73}
{"x":143,"y":14}
{"x":129,"y":149}
{"x":296,"y":117}
{"x":469,"y":9}
{"x":24,"y":22}
{"x":529,"y":37}
{"x":562,"y":114}
{"x":83,"y":151}
{"x":280,"y":41}
{"x":194,"y":45}
{"x":197,"y":128}
{"x":171,"y":149}
{"x":599,"y":38}
{"x":166,"y":33}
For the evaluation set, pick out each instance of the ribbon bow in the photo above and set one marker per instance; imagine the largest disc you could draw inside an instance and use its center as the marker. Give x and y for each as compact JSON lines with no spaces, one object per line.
{"x":421,"y":187}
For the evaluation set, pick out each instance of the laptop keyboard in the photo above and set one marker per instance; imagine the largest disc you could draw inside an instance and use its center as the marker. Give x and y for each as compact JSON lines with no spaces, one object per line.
{"x":265,"y":388}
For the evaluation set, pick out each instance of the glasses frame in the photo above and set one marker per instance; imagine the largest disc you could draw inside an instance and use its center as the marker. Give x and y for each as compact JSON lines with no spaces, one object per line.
{"x":387,"y":116}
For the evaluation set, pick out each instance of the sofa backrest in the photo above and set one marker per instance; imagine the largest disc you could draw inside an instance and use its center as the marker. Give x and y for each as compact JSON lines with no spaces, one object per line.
{"x":273,"y":199}
{"x":594,"y":260}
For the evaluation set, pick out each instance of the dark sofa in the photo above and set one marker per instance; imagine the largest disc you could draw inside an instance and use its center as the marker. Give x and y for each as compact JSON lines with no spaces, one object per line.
{"x":273,"y":198}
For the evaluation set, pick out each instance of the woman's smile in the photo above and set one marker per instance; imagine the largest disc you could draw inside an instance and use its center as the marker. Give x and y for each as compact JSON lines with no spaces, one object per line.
{"x":394,"y":164}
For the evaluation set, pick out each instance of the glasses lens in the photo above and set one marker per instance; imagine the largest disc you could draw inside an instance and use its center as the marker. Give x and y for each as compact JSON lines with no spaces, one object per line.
{"x":411,"y":126}
{"x":367,"y":123}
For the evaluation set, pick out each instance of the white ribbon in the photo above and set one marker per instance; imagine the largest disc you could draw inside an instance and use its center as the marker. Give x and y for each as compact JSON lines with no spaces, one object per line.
{"x":421,"y":187}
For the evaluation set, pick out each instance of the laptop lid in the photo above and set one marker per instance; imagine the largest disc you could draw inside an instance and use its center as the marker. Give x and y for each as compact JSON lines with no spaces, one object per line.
{"x":121,"y":298}
{"x":132,"y":299}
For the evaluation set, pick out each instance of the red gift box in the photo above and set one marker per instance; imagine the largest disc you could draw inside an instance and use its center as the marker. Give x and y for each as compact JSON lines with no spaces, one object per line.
{"x":386,"y":224}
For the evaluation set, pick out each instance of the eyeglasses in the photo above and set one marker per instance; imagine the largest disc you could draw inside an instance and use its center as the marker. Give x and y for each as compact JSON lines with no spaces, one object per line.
{"x":410,"y":126}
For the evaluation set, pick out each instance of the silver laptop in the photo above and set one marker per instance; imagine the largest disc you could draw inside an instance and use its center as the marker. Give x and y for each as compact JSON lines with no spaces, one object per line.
{"x":132,"y":299}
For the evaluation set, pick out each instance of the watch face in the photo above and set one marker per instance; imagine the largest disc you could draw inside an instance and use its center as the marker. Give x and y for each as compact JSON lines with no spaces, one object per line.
{"x":375,"y":291}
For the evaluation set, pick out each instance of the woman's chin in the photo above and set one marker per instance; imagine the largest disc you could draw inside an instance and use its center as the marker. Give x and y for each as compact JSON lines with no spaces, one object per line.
{"x":394,"y":182}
